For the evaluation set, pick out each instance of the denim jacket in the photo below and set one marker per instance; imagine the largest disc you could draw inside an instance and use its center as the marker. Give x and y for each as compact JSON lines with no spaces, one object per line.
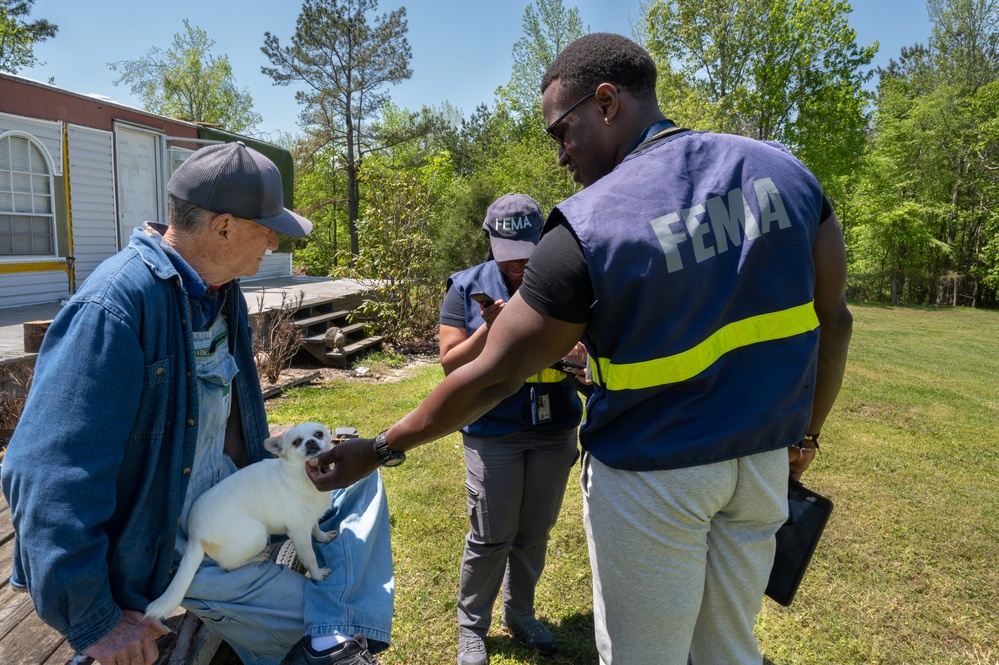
{"x":97,"y":469}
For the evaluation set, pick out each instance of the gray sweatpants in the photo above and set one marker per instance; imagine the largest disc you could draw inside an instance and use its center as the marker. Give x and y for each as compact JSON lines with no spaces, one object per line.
{"x":515,"y":486}
{"x":681,"y":558}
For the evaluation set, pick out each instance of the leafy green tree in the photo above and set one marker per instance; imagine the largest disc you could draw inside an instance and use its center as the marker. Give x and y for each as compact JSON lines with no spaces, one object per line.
{"x":473,"y":140}
{"x":495,"y":152}
{"x":321,"y":195}
{"x":926,"y":228}
{"x":528,"y":165}
{"x":900,"y":210}
{"x":397,"y":251}
{"x":963,"y":46}
{"x":965,"y":41}
{"x":18,"y":36}
{"x":441,"y":136}
{"x":784,"y":70}
{"x":704,"y":51}
{"x":492,"y":152}
{"x":460,"y":240}
{"x":187,"y":81}
{"x":342,"y":63}
{"x":405,"y":142}
{"x":503,"y":149}
{"x":548,"y":28}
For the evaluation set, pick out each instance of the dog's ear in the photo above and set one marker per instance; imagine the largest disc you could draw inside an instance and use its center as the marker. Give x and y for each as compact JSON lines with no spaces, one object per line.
{"x":275,"y":444}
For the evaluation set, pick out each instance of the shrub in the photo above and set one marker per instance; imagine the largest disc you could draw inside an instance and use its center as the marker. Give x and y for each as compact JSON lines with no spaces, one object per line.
{"x":276,"y":338}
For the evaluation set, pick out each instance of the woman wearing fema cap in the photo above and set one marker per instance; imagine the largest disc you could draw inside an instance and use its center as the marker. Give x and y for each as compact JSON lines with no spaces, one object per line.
{"x":518,"y":455}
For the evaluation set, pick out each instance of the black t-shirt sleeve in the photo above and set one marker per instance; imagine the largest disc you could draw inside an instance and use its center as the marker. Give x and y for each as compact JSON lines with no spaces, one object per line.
{"x":453,"y":309}
{"x":557,"y":280}
{"x":827,"y":210}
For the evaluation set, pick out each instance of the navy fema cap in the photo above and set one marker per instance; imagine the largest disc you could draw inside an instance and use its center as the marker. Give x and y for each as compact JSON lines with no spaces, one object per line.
{"x":233,"y":178}
{"x":513,"y":224}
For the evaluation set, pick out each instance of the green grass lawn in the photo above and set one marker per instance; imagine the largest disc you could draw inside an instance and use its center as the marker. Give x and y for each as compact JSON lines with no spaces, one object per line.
{"x":907,"y":569}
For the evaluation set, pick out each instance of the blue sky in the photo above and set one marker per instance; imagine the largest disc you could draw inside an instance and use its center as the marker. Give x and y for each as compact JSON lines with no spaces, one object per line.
{"x":461,"y":48}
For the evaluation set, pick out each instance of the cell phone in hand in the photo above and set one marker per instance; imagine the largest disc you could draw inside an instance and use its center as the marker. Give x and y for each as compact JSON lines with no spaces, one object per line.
{"x":568,"y":366}
{"x":483,"y":299}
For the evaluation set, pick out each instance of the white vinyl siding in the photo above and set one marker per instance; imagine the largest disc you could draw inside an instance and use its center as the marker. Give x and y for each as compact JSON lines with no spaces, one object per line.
{"x":275,"y":264}
{"x":33,"y":288}
{"x":92,"y":201}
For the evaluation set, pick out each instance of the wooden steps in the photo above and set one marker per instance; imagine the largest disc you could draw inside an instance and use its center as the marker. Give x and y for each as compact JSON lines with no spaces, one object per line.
{"x":316,"y":317}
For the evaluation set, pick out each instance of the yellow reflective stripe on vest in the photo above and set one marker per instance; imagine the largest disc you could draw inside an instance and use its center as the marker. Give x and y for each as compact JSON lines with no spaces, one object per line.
{"x":547,"y":375}
{"x":690,"y":363}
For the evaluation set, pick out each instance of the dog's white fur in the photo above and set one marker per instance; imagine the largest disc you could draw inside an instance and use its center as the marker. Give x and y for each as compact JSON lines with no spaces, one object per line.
{"x":232,"y":522}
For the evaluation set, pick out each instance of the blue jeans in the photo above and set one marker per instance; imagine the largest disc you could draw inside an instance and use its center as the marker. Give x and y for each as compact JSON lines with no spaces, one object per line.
{"x":262,"y":609}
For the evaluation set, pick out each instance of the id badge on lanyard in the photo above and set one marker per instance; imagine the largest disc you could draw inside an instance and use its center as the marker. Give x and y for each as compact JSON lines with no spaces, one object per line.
{"x":541,"y":409}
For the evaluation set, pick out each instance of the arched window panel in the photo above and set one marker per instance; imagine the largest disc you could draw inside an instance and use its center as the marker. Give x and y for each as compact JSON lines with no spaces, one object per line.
{"x":27,"y":214}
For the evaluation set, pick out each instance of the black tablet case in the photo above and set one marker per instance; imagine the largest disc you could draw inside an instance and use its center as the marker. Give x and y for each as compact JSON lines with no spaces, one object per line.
{"x":796,"y":540}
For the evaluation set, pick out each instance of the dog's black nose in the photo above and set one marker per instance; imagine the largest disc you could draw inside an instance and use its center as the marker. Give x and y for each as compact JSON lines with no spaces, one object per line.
{"x":312,"y":447}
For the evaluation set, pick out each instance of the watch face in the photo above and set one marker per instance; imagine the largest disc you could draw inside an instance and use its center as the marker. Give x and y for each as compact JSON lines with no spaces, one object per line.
{"x":387,"y":456}
{"x":394,"y":461}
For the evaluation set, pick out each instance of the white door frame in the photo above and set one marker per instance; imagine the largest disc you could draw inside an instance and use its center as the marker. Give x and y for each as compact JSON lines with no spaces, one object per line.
{"x":150,"y":203}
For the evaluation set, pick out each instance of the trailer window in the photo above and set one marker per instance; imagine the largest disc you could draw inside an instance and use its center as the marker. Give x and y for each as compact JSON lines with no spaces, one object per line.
{"x":27,"y":214}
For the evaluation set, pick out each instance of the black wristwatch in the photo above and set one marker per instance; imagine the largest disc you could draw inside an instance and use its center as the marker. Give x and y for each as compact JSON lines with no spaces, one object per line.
{"x":387,"y":456}
{"x":814,"y":438}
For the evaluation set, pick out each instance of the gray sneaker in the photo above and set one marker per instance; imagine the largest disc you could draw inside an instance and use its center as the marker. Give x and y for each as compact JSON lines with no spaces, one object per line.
{"x":471,"y":648}
{"x":536,"y":635}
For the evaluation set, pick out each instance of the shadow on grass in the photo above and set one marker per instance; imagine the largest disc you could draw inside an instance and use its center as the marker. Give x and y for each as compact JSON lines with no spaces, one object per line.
{"x":576,"y":643}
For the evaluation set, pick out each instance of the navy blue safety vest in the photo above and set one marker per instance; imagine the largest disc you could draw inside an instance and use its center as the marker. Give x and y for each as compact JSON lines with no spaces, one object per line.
{"x":703,"y":336}
{"x":513,"y":414}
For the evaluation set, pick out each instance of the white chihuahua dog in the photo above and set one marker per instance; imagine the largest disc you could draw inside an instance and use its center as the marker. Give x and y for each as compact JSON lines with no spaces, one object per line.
{"x":232,"y":521}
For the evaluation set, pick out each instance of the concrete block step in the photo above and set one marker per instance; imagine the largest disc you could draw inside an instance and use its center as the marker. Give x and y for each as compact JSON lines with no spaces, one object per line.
{"x":339,"y":358}
{"x":357,"y":347}
{"x":321,"y":338}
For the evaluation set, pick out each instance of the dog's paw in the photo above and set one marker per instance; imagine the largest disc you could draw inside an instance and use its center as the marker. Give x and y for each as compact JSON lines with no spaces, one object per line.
{"x":321,"y":574}
{"x":327,"y":536}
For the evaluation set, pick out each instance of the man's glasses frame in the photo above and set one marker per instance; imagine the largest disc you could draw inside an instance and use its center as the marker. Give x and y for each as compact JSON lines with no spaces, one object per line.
{"x":550,"y":129}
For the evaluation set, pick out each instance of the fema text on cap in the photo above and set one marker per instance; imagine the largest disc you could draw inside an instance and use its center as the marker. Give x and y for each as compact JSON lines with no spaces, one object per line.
{"x":512,"y":223}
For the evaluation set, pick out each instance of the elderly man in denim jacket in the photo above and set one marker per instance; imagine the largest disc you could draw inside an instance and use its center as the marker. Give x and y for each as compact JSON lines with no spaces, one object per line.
{"x":145,"y":394}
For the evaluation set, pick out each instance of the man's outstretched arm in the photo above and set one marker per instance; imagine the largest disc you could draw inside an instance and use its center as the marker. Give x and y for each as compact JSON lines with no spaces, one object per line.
{"x":521,"y":343}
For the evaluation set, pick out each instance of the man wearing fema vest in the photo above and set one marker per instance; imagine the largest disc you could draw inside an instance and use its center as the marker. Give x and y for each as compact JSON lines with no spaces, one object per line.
{"x":706,"y":274}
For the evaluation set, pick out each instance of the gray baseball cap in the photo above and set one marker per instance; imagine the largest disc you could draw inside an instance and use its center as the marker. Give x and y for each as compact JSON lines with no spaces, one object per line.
{"x":232,"y":178}
{"x":513,"y":223}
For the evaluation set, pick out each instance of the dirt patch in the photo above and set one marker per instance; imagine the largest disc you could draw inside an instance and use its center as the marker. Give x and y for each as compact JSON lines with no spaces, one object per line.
{"x":316,"y":375}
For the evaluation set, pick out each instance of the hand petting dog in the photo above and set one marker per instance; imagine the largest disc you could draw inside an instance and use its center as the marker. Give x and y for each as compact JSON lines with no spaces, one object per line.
{"x":343,"y":465}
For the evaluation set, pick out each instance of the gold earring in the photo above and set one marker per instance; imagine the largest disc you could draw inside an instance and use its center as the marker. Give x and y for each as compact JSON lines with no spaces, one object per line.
{"x":607,"y":121}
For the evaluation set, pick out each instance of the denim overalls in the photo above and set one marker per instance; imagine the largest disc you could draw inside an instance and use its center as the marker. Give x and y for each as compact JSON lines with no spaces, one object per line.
{"x":216,"y":369}
{"x":262,"y":608}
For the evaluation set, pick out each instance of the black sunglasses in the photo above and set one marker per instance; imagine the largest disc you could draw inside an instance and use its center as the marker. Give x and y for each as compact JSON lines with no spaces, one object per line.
{"x":550,"y":129}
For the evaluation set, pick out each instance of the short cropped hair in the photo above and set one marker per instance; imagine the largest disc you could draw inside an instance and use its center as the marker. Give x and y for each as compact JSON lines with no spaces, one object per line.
{"x":603,"y":57}
{"x":184,"y":216}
